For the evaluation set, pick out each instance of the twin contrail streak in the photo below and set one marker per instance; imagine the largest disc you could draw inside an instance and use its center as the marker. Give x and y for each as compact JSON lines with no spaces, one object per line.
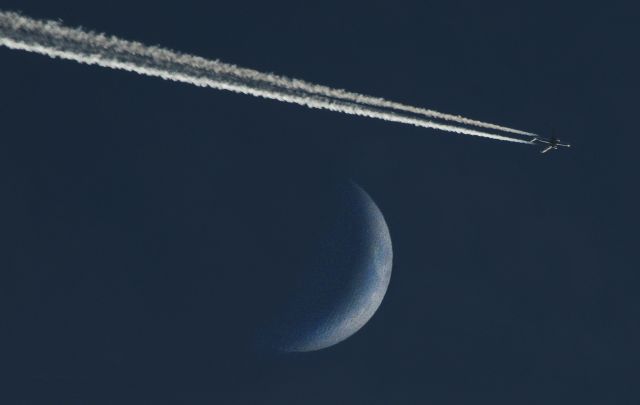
{"x":54,"y":40}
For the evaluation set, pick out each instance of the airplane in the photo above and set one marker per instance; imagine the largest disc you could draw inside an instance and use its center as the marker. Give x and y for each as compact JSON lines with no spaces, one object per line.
{"x":551,"y":143}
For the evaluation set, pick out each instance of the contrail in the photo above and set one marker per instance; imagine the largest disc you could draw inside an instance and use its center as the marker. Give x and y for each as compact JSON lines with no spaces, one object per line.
{"x":52,"y":39}
{"x":97,"y":40}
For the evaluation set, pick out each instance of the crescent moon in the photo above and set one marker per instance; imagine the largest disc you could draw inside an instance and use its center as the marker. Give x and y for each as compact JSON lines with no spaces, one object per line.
{"x":348,"y":281}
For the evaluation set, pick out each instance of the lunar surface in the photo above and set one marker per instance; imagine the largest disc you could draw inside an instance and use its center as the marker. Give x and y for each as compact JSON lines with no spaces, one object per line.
{"x":346,"y":280}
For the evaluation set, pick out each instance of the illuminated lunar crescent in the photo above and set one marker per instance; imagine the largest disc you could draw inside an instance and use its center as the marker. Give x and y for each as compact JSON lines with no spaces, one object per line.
{"x":344,"y":287}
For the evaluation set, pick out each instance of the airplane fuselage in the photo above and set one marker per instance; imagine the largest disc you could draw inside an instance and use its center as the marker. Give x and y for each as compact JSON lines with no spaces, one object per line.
{"x":551,"y":144}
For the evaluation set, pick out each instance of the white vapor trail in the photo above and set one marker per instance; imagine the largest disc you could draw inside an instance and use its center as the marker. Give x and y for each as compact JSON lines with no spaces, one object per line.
{"x":52,"y":39}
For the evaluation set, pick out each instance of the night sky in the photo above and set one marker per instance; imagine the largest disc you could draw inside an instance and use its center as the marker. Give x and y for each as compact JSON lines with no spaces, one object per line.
{"x":144,"y":223}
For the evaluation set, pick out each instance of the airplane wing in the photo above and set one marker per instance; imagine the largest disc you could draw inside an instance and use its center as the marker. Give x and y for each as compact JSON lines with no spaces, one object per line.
{"x":547,"y":149}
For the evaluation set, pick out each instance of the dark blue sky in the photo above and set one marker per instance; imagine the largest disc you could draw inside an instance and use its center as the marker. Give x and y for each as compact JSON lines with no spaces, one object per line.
{"x":139,"y":221}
